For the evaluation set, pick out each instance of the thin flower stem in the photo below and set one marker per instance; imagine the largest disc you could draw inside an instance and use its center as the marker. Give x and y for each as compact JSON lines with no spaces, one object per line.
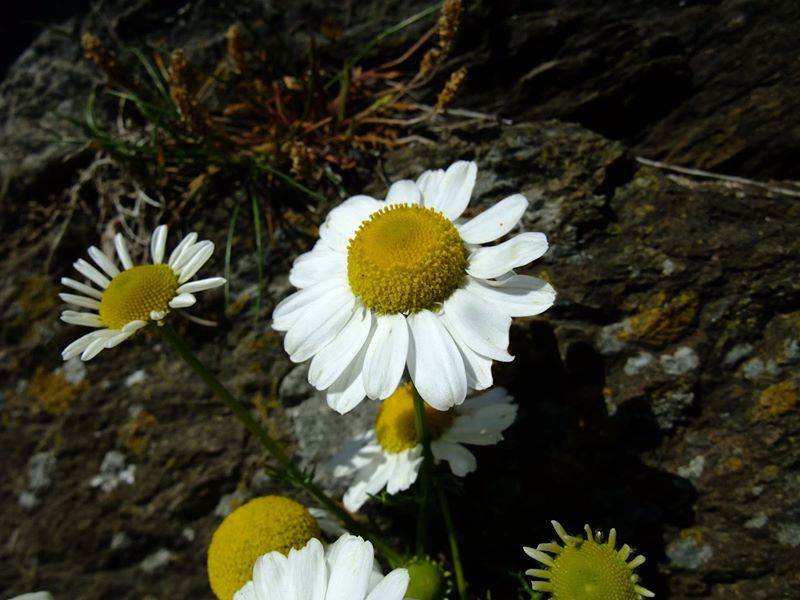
{"x":295,"y":475}
{"x":426,"y":474}
{"x":455,"y":553}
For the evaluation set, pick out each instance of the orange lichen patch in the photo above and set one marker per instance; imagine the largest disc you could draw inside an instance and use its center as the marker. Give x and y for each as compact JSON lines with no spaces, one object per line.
{"x":52,"y":393}
{"x":769,"y":472}
{"x":662,"y":320}
{"x":136,"y":433}
{"x":776,"y":400}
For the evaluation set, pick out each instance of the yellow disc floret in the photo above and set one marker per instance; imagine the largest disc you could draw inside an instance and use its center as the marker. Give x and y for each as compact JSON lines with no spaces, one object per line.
{"x":268,"y":524}
{"x":395,"y":425}
{"x":587,"y":568}
{"x":405,"y":258}
{"x":135,"y":293}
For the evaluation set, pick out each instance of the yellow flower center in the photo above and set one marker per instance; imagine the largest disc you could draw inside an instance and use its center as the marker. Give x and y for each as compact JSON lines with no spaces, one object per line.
{"x":404,"y":259}
{"x":395,"y":424}
{"x":135,"y":293}
{"x":268,"y":524}
{"x":591,"y":571}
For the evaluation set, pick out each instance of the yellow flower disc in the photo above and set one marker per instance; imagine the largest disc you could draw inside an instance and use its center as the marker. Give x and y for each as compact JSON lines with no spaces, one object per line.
{"x":271,"y":523}
{"x":591,"y":571}
{"x":404,"y":259}
{"x":135,"y":293}
{"x":395,"y":424}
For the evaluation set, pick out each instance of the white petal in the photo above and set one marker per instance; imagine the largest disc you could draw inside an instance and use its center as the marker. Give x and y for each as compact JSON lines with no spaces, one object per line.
{"x":349,"y":564}
{"x":517,"y":296}
{"x":405,"y":469}
{"x":404,"y":191}
{"x":386,"y":356}
{"x":428,"y":184}
{"x":478,"y":324}
{"x":293,"y":307}
{"x":478,"y":368}
{"x":271,"y":578}
{"x":118,"y":339}
{"x":248,"y":592}
{"x":461,"y":460}
{"x":435,"y":365}
{"x":197,"y":261}
{"x":319,"y":325}
{"x":391,"y":587}
{"x":81,"y":301}
{"x":82,"y":287}
{"x":371,"y":479}
{"x":88,"y":271}
{"x":316,"y":266}
{"x":181,"y":252}
{"x":347,"y":391}
{"x":334,"y":358}
{"x":493,"y":261}
{"x":74,"y":317}
{"x":308,"y":572}
{"x":103,"y":261}
{"x":455,"y":189}
{"x":343,"y":221}
{"x":494,"y":222}
{"x":79,"y":345}
{"x":133,"y":326}
{"x":158,"y":242}
{"x":96,"y":346}
{"x":182,"y":301}
{"x":201,"y":285}
{"x":121,"y":247}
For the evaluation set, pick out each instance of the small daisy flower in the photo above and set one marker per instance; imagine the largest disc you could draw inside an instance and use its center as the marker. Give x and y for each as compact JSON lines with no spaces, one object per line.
{"x":343,"y":571}
{"x":588,"y":568}
{"x":123,"y":301}
{"x":404,"y":282}
{"x":266,"y":524}
{"x":389,"y":456}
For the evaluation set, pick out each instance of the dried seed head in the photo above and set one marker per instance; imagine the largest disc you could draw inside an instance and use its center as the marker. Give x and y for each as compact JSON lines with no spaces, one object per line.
{"x":179,"y":68}
{"x":451,"y":89}
{"x":235,"y":52}
{"x":302,"y":160}
{"x":429,"y":61}
{"x":97,"y":53}
{"x":449,"y":23}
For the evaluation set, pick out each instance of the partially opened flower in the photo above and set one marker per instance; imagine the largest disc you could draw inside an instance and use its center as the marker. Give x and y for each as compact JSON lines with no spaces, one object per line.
{"x":124,"y":301}
{"x":587,"y":568}
{"x":342,"y":572}
{"x":404,"y":282}
{"x":390,"y":455}
{"x":263,"y":525}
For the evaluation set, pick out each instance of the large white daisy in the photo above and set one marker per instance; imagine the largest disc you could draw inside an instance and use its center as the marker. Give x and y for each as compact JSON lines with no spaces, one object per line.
{"x":124,"y":301}
{"x":389,"y":456}
{"x":404,"y":282}
{"x":342,"y":572}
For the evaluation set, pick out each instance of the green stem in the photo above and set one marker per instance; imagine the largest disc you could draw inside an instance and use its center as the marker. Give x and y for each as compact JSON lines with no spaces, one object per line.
{"x":295,"y":474}
{"x":455,"y":553}
{"x":425,"y":475}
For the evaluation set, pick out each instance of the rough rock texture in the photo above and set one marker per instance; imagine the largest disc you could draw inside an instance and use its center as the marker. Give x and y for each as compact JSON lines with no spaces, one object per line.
{"x":659,"y":396}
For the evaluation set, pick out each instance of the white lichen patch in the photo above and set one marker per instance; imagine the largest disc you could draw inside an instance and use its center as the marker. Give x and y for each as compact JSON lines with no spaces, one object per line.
{"x":694,"y":469}
{"x":136,"y":378}
{"x":681,"y":362}
{"x":757,"y":522}
{"x":789,"y":534}
{"x":636,"y":364}
{"x":737,"y":353}
{"x":688,"y":553}
{"x":113,"y":471}
{"x":39,"y":470}
{"x":756,"y":368}
{"x":155,"y":561}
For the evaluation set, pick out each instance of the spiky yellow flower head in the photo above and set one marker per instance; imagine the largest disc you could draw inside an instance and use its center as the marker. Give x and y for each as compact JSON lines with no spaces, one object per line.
{"x":395,"y":423}
{"x":587,"y":568}
{"x":268,"y":524}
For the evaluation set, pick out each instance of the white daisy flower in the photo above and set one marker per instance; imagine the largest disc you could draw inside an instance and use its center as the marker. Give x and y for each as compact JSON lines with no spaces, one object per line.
{"x":127,"y":299}
{"x":405,"y":282}
{"x":343,"y":571}
{"x":389,"y":456}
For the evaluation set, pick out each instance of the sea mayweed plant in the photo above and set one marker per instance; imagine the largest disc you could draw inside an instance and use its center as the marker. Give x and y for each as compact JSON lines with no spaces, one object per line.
{"x":402,"y":300}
